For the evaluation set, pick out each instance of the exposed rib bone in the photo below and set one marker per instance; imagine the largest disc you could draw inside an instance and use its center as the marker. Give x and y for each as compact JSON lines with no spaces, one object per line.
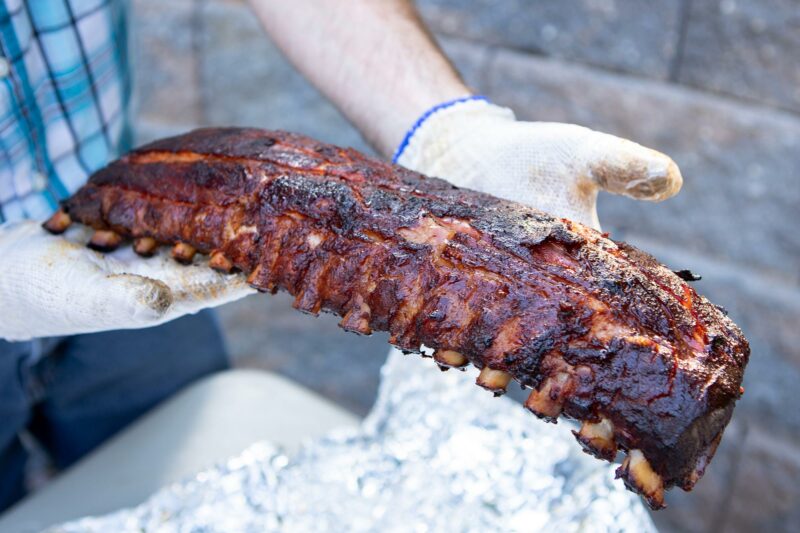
{"x":145,"y":246}
{"x":493,"y":380}
{"x":639,"y":476}
{"x":105,"y":240}
{"x":547,"y":401}
{"x":183,"y":253}
{"x":597,"y":439}
{"x":58,"y":223}
{"x":220,"y":263}
{"x":450,"y":359}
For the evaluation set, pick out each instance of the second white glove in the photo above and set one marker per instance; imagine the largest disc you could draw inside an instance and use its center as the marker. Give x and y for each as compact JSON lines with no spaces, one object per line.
{"x":54,"y":285}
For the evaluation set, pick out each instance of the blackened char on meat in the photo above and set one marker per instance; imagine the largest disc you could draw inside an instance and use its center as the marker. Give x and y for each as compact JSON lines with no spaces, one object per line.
{"x":599,"y":330}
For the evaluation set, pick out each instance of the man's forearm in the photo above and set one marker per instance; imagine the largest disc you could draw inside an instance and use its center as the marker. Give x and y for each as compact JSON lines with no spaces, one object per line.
{"x":372,"y":58}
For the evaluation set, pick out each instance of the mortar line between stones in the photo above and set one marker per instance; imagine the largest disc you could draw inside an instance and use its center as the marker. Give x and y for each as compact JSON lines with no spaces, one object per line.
{"x":684,"y":15}
{"x":496,"y":48}
{"x":734,"y":99}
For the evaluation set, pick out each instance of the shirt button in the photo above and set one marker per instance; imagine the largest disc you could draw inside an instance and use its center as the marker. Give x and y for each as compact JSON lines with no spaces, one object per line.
{"x":5,"y":67}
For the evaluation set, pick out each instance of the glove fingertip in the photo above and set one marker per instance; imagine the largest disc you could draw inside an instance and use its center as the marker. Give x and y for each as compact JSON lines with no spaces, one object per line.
{"x":624,"y":167}
{"x":656,"y":181}
{"x":674,"y":180}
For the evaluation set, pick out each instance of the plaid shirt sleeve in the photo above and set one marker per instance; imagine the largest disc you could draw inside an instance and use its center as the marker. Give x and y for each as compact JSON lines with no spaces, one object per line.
{"x":64,"y":94}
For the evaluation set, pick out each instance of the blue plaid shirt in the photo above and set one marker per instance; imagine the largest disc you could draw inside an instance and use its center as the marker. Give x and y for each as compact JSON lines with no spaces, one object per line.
{"x":64,"y":93}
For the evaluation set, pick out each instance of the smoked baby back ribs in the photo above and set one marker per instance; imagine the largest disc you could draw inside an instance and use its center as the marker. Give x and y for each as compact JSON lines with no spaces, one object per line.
{"x":600,"y":331}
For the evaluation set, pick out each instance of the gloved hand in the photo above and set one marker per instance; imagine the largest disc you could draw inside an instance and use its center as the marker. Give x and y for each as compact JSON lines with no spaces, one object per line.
{"x":557,"y":168}
{"x":54,"y":285}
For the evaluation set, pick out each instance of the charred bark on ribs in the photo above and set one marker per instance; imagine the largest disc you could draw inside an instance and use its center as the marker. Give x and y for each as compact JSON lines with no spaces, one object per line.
{"x":600,"y":331}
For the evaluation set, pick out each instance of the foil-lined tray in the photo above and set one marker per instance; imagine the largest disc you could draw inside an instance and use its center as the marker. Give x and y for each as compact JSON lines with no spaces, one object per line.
{"x":437,"y":453}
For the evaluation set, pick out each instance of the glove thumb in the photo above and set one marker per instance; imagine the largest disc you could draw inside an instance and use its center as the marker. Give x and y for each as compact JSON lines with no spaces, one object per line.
{"x":620,"y":166}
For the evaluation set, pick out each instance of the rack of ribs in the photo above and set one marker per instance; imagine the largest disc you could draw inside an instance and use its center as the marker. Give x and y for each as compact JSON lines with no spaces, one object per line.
{"x":598,"y":330}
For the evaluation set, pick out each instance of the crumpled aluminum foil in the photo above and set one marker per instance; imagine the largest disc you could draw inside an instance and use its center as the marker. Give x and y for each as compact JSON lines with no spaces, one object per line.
{"x":437,"y":453}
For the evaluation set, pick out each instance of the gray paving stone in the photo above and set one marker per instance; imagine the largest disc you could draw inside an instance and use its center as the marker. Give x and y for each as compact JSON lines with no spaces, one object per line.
{"x":765,"y":494}
{"x":740,"y":197}
{"x":246,"y":82}
{"x":470,"y":59}
{"x":615,"y":34}
{"x":164,"y":67}
{"x":745,"y":48}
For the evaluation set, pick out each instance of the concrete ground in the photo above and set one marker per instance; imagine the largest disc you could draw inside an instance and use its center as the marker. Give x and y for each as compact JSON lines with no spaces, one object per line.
{"x":266,"y":332}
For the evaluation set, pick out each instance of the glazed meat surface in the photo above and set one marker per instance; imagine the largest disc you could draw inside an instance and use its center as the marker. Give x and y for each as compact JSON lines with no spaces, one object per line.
{"x":598,"y":330}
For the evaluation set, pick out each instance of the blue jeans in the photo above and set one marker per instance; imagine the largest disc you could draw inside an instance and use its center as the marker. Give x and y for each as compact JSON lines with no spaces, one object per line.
{"x":78,"y":391}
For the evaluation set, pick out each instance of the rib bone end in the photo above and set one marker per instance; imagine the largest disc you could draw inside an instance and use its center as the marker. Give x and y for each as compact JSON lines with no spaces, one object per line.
{"x":183,"y":253}
{"x":145,"y":246}
{"x":597,"y":438}
{"x":105,"y":240}
{"x":640,"y":477}
{"x":450,"y":359}
{"x":493,"y":380}
{"x":220,"y":263}
{"x":58,"y":223}
{"x":547,"y":401}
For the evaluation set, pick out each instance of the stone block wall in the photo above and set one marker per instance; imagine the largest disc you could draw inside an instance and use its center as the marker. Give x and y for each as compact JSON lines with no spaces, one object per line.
{"x":713,"y":83}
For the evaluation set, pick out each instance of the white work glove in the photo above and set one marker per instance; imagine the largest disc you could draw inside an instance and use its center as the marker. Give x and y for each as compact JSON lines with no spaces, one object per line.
{"x":557,"y":168}
{"x":54,"y":285}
